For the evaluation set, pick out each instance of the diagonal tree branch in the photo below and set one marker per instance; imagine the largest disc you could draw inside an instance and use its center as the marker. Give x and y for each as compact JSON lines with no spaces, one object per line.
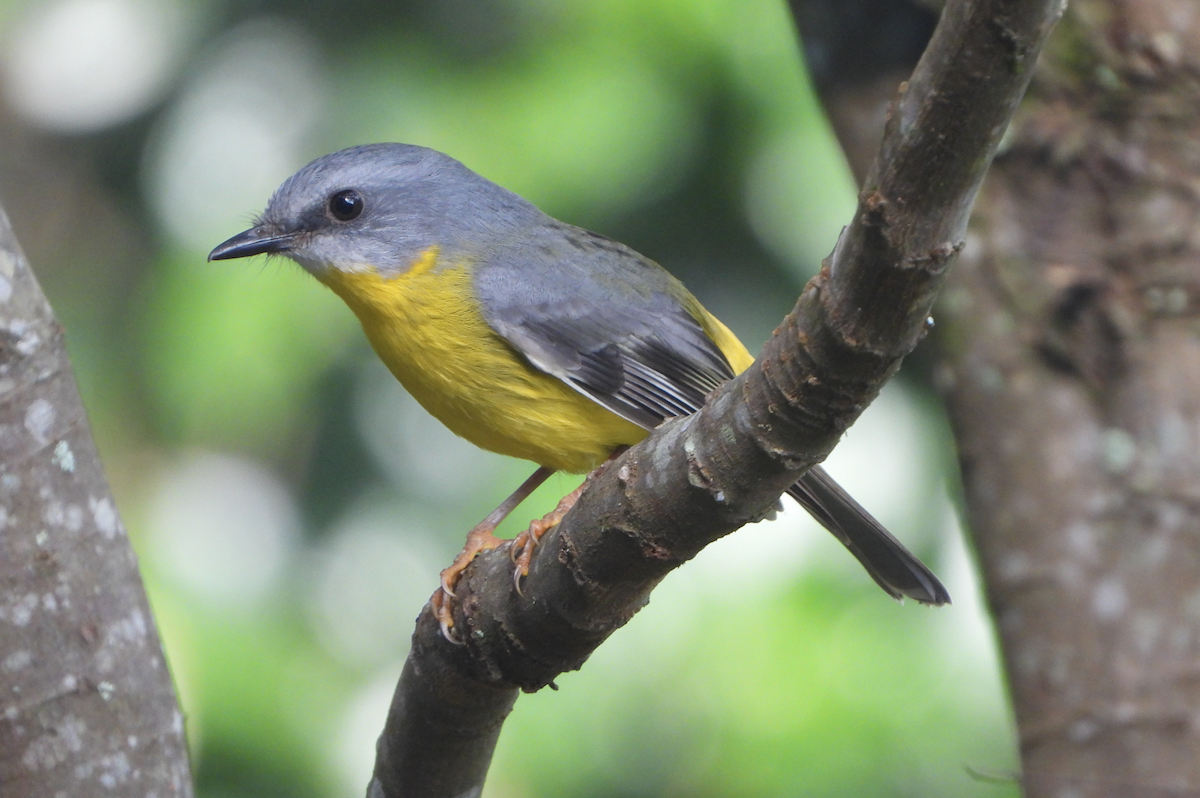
{"x":699,"y":478}
{"x":86,"y":701}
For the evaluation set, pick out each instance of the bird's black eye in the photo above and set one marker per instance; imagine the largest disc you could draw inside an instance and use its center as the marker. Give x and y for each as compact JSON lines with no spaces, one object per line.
{"x":346,"y":205}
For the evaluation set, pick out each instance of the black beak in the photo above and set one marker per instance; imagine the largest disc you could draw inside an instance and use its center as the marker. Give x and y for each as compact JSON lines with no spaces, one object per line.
{"x":254,"y":241}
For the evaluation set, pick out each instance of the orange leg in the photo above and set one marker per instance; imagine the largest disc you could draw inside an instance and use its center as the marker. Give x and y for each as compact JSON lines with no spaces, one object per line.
{"x":523,"y":544}
{"x":478,"y":539}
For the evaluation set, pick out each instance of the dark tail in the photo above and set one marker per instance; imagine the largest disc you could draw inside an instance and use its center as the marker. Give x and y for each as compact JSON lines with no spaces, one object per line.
{"x":892,"y":566}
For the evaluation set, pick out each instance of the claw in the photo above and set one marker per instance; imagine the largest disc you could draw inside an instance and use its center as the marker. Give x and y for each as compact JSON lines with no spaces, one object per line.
{"x":517,"y":554}
{"x":524,"y":543}
{"x":478,"y":539}
{"x":444,"y":614}
{"x":520,"y":552}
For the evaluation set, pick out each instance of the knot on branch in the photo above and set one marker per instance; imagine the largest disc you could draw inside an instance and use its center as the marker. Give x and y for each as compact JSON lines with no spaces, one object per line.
{"x":813,"y":380}
{"x":874,"y":208}
{"x":935,"y":260}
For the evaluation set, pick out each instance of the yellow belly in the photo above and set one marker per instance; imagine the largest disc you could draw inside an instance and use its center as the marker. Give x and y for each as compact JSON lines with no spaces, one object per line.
{"x":426,"y":327}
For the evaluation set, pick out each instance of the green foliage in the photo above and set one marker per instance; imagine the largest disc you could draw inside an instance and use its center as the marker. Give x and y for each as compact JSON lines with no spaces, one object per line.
{"x":232,"y":356}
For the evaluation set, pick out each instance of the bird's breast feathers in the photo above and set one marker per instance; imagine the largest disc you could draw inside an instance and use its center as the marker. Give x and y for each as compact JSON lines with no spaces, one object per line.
{"x":426,"y":326}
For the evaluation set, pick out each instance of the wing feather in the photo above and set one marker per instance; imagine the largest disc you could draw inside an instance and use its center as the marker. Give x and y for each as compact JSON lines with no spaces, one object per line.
{"x":613,"y":328}
{"x":612,"y":325}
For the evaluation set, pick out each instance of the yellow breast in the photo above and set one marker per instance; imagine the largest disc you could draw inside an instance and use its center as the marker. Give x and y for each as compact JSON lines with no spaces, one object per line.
{"x":426,"y":326}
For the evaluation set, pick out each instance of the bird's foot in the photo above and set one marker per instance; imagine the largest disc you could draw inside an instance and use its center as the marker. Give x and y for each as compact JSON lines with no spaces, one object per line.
{"x":523,"y":544}
{"x":442,"y":601}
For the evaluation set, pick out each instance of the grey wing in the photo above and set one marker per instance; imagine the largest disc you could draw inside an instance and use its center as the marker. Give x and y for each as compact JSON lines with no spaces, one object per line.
{"x":604,"y":320}
{"x":607,"y":322}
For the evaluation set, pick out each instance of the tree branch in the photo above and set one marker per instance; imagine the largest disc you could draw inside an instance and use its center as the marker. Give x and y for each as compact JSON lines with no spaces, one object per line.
{"x":699,"y":478}
{"x":86,"y":701}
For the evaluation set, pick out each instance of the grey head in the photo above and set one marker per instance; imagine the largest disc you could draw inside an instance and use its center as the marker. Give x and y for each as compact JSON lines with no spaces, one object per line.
{"x":380,"y":206}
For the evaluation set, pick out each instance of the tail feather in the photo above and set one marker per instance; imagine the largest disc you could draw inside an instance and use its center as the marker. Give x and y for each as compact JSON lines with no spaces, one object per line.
{"x":893,"y":567}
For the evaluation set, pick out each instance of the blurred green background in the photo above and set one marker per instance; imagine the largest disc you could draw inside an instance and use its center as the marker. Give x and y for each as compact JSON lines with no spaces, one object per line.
{"x":292,"y":506}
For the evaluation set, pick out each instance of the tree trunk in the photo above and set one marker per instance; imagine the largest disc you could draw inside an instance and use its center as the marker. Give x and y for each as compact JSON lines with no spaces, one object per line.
{"x":86,"y":701}
{"x":1070,"y":363}
{"x":1072,"y":374}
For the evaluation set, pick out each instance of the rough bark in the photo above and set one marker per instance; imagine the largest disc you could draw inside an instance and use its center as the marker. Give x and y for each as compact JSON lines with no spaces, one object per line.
{"x":702,"y":477}
{"x":1073,"y":379}
{"x":86,"y":701}
{"x":1071,"y":368}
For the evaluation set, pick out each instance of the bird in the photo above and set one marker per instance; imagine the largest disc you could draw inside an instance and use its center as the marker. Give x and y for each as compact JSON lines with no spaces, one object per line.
{"x":523,"y":334}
